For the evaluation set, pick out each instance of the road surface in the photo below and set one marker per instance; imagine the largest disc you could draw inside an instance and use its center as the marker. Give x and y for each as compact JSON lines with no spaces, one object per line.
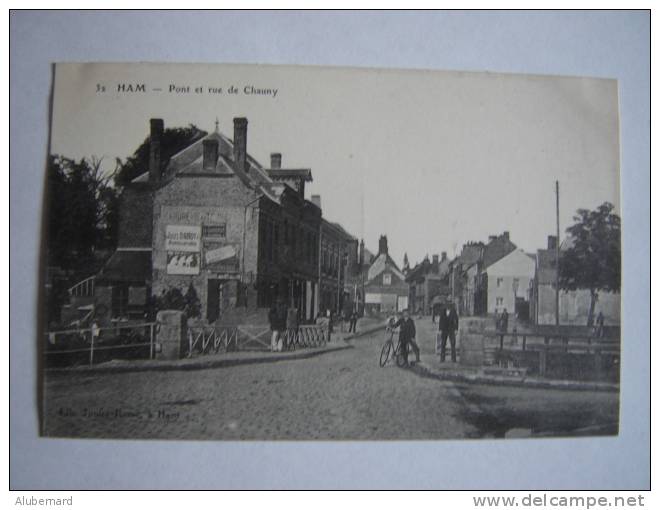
{"x":336,"y":395}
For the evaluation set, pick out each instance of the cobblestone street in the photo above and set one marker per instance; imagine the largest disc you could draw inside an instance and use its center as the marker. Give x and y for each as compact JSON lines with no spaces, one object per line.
{"x":336,"y":395}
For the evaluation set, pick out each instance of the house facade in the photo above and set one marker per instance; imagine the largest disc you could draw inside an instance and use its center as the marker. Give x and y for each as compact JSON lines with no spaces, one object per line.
{"x":508,"y":281}
{"x":386,"y":290}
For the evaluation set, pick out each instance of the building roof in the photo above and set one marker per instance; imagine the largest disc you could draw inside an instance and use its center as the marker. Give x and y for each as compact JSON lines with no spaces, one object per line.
{"x":471,"y":254}
{"x":497,"y":249}
{"x":368,"y":256}
{"x":343,"y":231}
{"x":290,"y":173}
{"x":189,"y":162}
{"x":382,"y":262}
{"x":127,"y":265}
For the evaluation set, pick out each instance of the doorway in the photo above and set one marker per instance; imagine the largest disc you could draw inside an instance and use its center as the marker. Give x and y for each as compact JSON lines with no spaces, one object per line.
{"x":214,"y":298}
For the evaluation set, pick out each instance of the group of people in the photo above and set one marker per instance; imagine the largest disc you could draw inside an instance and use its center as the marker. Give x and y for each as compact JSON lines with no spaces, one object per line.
{"x":282,"y":319}
{"x":447,"y":326}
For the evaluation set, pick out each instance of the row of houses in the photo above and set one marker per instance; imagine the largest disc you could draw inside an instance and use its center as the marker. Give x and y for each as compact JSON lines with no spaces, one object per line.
{"x":486,"y":278}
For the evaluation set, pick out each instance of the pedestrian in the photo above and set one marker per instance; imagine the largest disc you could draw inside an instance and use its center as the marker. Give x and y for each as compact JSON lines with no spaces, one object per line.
{"x":600,"y":325}
{"x":504,"y":321}
{"x":277,"y":316}
{"x":353,"y":322}
{"x":407,"y":334}
{"x":291,"y":326}
{"x":448,"y":324}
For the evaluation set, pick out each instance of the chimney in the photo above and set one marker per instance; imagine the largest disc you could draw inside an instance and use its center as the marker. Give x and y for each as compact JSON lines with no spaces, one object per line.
{"x":361,"y":250}
{"x":382,"y":245}
{"x":491,"y":238}
{"x":505,"y":235}
{"x":240,"y":143}
{"x":552,"y":242}
{"x":436,"y":259}
{"x":316,"y":200}
{"x":155,"y":135}
{"x":275,"y":160}
{"x":210,"y":158}
{"x":444,"y":255}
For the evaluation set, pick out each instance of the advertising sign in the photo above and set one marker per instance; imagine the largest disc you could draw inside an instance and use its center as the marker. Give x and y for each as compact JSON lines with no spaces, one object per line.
{"x":223,"y":258}
{"x":185,"y":238}
{"x":220,"y":254}
{"x":179,"y":262}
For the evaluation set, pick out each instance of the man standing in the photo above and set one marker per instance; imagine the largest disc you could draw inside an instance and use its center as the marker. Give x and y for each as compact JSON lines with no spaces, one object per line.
{"x":353,"y":322}
{"x":277,"y":317}
{"x":504,"y":321}
{"x":407,"y":335}
{"x":448,"y":326}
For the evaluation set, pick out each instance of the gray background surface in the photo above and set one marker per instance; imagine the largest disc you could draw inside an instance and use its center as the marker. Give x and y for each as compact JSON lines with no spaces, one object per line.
{"x":612,"y":45}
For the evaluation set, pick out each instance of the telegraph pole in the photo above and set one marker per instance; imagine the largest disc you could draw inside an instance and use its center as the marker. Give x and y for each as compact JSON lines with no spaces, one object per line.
{"x":557,"y":259}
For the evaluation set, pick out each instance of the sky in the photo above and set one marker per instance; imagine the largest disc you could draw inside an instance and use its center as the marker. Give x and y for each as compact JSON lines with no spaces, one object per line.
{"x":432,"y":159}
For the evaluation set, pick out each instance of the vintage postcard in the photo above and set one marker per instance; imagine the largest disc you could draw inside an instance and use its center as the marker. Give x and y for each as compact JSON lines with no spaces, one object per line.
{"x":282,"y":252}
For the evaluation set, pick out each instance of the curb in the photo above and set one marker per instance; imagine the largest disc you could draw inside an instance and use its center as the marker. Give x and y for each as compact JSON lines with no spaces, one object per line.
{"x":528,"y":382}
{"x":367,"y":331}
{"x":202,"y":364}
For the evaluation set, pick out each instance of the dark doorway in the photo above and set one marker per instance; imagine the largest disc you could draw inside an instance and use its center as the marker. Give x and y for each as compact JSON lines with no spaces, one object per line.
{"x":214,"y":288}
{"x":522,"y":309}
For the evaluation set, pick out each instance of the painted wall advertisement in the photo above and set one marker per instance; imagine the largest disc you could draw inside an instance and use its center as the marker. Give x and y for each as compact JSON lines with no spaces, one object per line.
{"x":222,"y":257}
{"x":183,"y":246}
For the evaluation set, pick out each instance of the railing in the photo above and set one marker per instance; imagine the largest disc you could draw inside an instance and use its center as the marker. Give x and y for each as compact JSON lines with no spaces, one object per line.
{"x":311,"y":335}
{"x":84,"y":288}
{"x":545,"y":343}
{"x":203,"y":339}
{"x":243,"y":337}
{"x":68,"y":345}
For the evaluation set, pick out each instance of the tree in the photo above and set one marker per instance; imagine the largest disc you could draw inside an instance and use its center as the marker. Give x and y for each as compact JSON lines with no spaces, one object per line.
{"x":81,"y":211}
{"x":593,"y":259}
{"x":173,"y":141}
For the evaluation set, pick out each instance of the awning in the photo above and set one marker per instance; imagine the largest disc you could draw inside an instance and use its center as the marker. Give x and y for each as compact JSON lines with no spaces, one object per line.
{"x":127,"y":265}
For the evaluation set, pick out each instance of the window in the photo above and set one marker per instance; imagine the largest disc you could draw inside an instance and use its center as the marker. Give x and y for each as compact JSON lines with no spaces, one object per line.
{"x":499,"y":301}
{"x":387,"y":279}
{"x":500,"y":281}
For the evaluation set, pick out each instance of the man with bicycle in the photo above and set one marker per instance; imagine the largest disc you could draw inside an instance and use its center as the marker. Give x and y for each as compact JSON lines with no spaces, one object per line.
{"x":407,"y":334}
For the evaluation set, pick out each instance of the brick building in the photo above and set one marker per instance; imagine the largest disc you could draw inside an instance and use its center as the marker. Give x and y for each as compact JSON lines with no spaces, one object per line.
{"x":216,"y":221}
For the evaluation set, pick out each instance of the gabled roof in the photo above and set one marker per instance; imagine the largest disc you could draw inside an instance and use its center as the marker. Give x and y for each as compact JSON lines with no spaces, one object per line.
{"x":128,"y":266}
{"x":497,"y":249}
{"x":383,"y":261}
{"x":189,"y":162}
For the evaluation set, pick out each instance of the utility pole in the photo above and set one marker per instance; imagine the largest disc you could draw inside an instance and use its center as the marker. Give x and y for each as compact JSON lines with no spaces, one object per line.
{"x":557,"y":259}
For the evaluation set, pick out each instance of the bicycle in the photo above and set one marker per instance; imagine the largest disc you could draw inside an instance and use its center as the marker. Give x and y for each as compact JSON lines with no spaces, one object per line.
{"x":390,"y":350}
